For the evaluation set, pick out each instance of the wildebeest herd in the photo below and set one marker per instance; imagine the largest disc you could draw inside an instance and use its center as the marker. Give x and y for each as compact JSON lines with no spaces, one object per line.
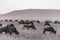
{"x":10,"y":28}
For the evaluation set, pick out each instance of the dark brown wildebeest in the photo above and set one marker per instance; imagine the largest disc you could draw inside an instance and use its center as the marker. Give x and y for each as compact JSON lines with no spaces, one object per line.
{"x":16,"y":20}
{"x":47,"y":23}
{"x":6,"y":20}
{"x":11,"y":20}
{"x":29,"y":26}
{"x":3,"y":29}
{"x":28,"y":22}
{"x":55,"y":22}
{"x":12,"y":29}
{"x":9,"y":29}
{"x":50,"y":29}
{"x":21,"y":22}
{"x":38,"y":21}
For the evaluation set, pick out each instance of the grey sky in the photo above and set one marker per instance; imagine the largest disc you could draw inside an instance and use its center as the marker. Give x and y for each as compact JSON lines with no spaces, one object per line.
{"x":9,"y":5}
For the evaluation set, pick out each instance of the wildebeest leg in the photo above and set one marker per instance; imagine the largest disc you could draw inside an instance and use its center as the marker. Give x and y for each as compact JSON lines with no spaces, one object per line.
{"x":44,"y":32}
{"x":10,"y":33}
{"x":54,"y":32}
{"x":6,"y":32}
{"x":0,"y":32}
{"x":16,"y":32}
{"x":34,"y":28}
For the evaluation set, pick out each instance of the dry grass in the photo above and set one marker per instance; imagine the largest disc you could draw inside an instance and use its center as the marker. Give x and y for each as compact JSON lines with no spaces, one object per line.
{"x":31,"y":34}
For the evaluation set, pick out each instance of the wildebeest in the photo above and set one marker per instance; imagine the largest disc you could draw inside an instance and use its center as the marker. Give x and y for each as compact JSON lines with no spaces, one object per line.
{"x":50,"y":29}
{"x":26,"y":22}
{"x":21,"y":22}
{"x":16,"y":20}
{"x":47,"y":23}
{"x":55,"y":22}
{"x":9,"y":29}
{"x":6,"y":20}
{"x":38,"y":21}
{"x":11,"y":20}
{"x":29,"y":26}
{"x":58,"y":22}
{"x":3,"y":29}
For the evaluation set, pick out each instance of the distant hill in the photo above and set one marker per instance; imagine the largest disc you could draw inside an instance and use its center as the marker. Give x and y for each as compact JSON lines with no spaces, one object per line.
{"x":39,"y":14}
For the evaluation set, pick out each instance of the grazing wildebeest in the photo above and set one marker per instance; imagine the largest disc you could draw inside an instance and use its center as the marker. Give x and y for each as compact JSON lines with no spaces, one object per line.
{"x":16,"y":20}
{"x":11,"y":20}
{"x":55,"y":22}
{"x":10,"y":29}
{"x":28,"y":22}
{"x":47,"y":23}
{"x":50,"y":29}
{"x":21,"y":22}
{"x":29,"y":26}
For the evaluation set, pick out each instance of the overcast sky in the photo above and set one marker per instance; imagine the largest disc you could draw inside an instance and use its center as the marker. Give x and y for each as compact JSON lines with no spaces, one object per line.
{"x":9,"y":5}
